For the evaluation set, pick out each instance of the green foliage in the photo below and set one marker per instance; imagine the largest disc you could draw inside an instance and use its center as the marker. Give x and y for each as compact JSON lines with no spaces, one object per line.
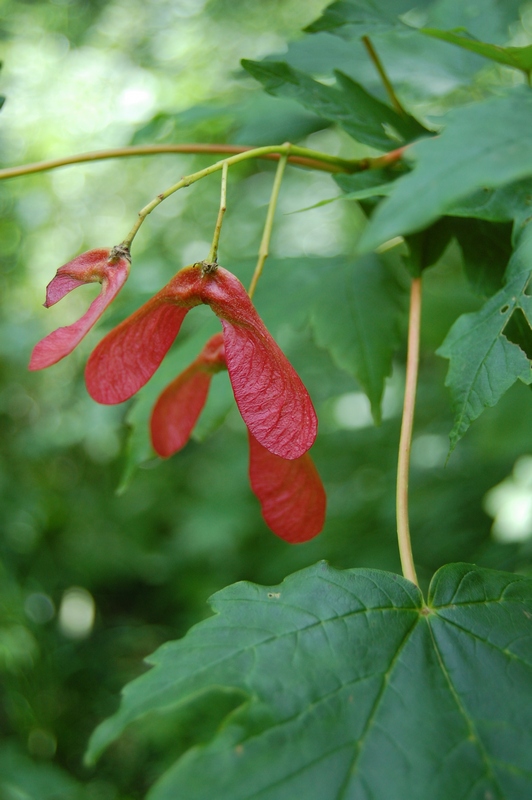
{"x":344,"y":671}
{"x":361,"y":18}
{"x":451,"y":166}
{"x":364,"y":117}
{"x":309,"y":687}
{"x":483,"y":362}
{"x":21,"y":778}
{"x":363,"y":334}
{"x":518,"y":57}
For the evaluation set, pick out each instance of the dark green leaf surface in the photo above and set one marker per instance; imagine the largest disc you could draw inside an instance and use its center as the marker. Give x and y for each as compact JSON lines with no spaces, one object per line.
{"x":486,"y":250}
{"x":370,"y":183}
{"x":356,"y":309}
{"x":518,"y":57}
{"x":22,"y":778}
{"x":505,"y":204}
{"x":347,"y":673}
{"x":363,"y":331}
{"x":485,"y":145}
{"x":364,"y":117}
{"x":483,"y":362}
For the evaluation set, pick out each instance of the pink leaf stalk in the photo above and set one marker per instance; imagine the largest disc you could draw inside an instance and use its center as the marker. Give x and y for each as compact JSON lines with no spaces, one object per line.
{"x":270,"y":395}
{"x":290,"y":492}
{"x":110,"y":267}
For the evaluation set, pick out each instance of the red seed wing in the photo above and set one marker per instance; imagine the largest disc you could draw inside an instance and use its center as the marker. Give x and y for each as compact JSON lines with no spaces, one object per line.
{"x":177,"y":410}
{"x":269,"y":393}
{"x":290,"y":493}
{"x":86,"y":268}
{"x":128,"y":356}
{"x":62,"y":341}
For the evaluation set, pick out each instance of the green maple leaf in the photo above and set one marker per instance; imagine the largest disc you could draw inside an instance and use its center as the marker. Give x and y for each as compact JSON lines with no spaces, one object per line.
{"x":352,"y":686}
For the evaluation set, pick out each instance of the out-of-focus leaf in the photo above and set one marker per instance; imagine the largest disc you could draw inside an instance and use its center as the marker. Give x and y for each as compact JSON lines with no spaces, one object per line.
{"x":21,"y":778}
{"x":483,"y":362}
{"x":364,"y":117}
{"x":366,"y":190}
{"x":259,"y":119}
{"x":219,"y":402}
{"x":427,"y":247}
{"x":352,"y":650}
{"x":355,"y":18}
{"x":352,"y":19}
{"x":518,"y":57}
{"x":486,"y":250}
{"x":487,"y":144}
{"x":504,"y":204}
{"x":362,"y":331}
{"x":370,"y":183}
{"x":355,"y":307}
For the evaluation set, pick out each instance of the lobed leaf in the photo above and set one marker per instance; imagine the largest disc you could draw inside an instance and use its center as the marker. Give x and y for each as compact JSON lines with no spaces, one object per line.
{"x":366,"y":676}
{"x":483,"y":362}
{"x":518,"y":57}
{"x":363,"y":331}
{"x":347,"y":103}
{"x":485,"y":145}
{"x":356,"y":18}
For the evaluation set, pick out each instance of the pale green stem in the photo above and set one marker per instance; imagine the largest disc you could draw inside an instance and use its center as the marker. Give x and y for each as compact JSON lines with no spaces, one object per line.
{"x":301,"y":156}
{"x":258,"y":152}
{"x":405,"y":442}
{"x":383,"y":76}
{"x":264,"y":248}
{"x":218,"y":228}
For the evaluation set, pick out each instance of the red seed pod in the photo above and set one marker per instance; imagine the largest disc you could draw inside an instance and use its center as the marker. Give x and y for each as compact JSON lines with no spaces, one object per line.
{"x":110,"y":267}
{"x":270,"y":395}
{"x":179,"y":406}
{"x":291,"y":494}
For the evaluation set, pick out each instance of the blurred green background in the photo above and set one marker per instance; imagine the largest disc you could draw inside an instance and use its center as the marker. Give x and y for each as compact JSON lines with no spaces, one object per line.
{"x":91,"y":579}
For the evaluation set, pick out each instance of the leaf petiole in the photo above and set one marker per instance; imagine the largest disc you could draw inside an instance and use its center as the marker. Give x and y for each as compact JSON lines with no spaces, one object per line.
{"x":268,"y":225}
{"x":213,"y":254}
{"x":405,"y":441}
{"x":257,"y":152}
{"x":383,"y":76}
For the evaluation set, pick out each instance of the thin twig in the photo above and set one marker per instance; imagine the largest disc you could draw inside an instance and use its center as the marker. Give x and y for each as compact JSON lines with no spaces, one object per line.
{"x":223,"y":206}
{"x":264,"y":248}
{"x":383,"y":76}
{"x":301,"y":156}
{"x":405,"y":442}
{"x":257,"y":152}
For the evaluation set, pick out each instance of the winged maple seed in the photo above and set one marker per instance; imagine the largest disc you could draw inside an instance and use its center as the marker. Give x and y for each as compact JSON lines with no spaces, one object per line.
{"x":108,"y":266}
{"x":290,"y":492}
{"x":270,"y":395}
{"x":272,"y":400}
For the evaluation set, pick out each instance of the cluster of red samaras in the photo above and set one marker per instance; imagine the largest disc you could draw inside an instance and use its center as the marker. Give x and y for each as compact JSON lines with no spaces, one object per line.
{"x":272,"y":400}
